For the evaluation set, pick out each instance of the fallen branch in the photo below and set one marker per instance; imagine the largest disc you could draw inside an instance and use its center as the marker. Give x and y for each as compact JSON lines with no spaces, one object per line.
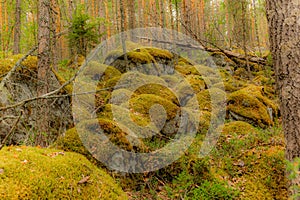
{"x":11,"y":131}
{"x":229,"y":54}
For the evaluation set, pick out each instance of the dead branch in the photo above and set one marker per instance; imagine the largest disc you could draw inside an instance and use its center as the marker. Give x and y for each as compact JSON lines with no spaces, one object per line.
{"x":229,"y":54}
{"x":11,"y":131}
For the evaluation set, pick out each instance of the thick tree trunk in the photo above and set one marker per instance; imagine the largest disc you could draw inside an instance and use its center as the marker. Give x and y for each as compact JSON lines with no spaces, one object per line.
{"x":284,"y":25}
{"x":17,"y":31}
{"x":44,"y":59}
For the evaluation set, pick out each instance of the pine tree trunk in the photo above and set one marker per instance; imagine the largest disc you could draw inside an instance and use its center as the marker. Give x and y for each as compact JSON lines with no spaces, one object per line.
{"x":284,"y":26}
{"x":17,"y":31}
{"x":44,"y":50}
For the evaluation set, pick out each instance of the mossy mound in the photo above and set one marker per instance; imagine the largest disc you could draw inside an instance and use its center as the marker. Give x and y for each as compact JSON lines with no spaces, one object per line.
{"x":249,"y":104}
{"x":238,"y":127}
{"x":112,"y":131}
{"x":209,"y":99}
{"x":29,"y":65}
{"x":34,"y":173}
{"x":158,"y":90}
{"x":187,"y":69}
{"x":143,"y":103}
{"x":231,"y":83}
{"x":143,"y":59}
{"x":141,"y":56}
{"x":71,"y":142}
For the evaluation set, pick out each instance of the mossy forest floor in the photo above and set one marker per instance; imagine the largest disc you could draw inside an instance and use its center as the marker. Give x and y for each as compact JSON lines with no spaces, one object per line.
{"x":246,"y":163}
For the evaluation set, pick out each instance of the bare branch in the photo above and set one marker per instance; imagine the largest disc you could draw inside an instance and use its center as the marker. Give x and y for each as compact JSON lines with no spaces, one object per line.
{"x":11,"y":131}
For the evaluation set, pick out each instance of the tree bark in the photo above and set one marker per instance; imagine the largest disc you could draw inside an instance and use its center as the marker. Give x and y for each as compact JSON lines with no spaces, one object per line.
{"x":17,"y":31}
{"x":44,"y":59}
{"x":284,"y":26}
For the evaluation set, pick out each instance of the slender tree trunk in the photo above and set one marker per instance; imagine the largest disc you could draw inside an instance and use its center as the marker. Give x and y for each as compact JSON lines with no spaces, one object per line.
{"x":131,"y":13}
{"x":123,"y":36}
{"x":107,"y":18}
{"x":245,"y":37}
{"x":256,"y":26}
{"x":171,"y":14}
{"x":162,"y":13}
{"x":44,"y":50}
{"x":131,"y":17}
{"x":284,"y":26}
{"x":17,"y":31}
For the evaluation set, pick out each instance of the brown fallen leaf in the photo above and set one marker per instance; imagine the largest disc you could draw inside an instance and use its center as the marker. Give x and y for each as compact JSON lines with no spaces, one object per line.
{"x":54,"y":154}
{"x":84,"y":180}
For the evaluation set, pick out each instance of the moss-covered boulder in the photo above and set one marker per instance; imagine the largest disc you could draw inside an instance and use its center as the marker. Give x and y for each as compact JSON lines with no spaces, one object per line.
{"x":147,"y":60}
{"x":91,"y":129}
{"x":30,"y":65}
{"x":100,"y":72}
{"x":186,"y":69}
{"x":158,"y":90}
{"x":35,"y":173}
{"x":21,"y":85}
{"x":249,"y":104}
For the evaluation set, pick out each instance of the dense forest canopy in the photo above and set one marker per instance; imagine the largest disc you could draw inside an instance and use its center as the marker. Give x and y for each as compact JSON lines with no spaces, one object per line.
{"x":227,"y":24}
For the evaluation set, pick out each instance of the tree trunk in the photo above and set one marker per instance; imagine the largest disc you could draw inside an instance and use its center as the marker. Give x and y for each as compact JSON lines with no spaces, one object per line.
{"x":44,"y":50}
{"x":284,"y":26}
{"x":123,"y":35}
{"x":17,"y":31}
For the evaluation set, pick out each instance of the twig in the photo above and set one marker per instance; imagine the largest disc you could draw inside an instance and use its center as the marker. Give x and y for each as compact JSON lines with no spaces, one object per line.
{"x":11,"y":131}
{"x":7,"y":117}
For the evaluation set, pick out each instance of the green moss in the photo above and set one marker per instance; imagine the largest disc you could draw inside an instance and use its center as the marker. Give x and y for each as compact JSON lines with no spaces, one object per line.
{"x":71,"y":142}
{"x":110,"y":128}
{"x":231,"y":83}
{"x":207,"y":71}
{"x":102,"y":98}
{"x":196,"y":82}
{"x":186,"y":70}
{"x":30,"y":64}
{"x":110,"y":111}
{"x":211,"y":99}
{"x":140,"y":56}
{"x":241,"y":72}
{"x":159,"y":53}
{"x":158,"y":90}
{"x":269,"y":181}
{"x":204,"y":121}
{"x":250,"y":103}
{"x":34,"y":173}
{"x":133,"y":80}
{"x":108,"y":84}
{"x":142,"y":104}
{"x":252,"y":159}
{"x":238,"y":127}
{"x":262,"y":80}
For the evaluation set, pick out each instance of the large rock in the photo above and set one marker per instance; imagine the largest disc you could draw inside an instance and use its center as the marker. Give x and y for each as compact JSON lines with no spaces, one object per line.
{"x":22,"y":85}
{"x":249,"y":104}
{"x":35,"y":173}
